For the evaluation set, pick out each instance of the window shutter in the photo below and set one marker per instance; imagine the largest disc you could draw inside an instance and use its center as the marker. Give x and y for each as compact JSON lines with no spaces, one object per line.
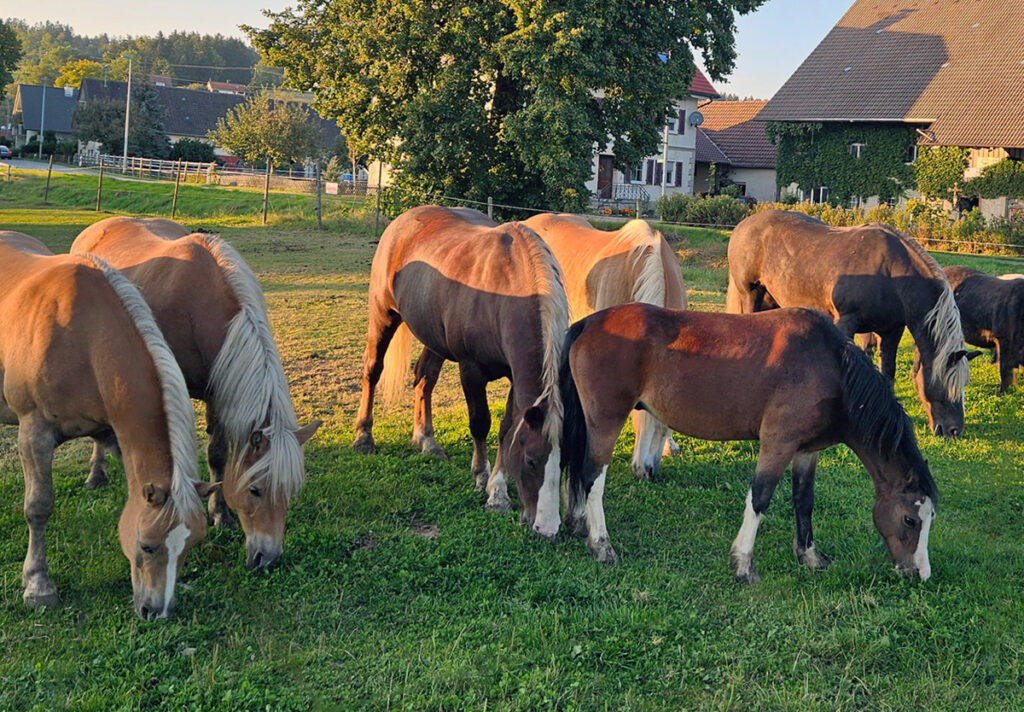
{"x":682,"y":123}
{"x":679,"y":170}
{"x":650,"y":172}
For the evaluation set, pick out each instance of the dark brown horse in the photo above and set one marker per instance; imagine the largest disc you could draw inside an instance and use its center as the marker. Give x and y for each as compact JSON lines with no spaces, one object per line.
{"x":868,"y":278}
{"x":210,"y":308}
{"x":491,"y":299}
{"x":80,"y":355}
{"x":992,"y":314}
{"x":786,"y":377}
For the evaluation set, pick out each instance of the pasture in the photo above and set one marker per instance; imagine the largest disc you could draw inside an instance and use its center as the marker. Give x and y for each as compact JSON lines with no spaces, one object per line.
{"x":397,"y":590}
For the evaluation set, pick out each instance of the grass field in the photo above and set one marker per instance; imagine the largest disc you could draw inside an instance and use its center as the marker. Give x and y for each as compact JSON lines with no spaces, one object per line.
{"x":397,"y":590}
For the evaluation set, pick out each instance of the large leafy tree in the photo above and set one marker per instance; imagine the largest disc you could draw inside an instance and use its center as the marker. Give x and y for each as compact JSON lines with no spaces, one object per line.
{"x":500,"y":97}
{"x":10,"y":53}
{"x":102,"y":120}
{"x":271,"y":128}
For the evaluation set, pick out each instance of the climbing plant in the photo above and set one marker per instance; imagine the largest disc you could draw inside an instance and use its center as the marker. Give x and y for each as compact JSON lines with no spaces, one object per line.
{"x":1003,"y":179}
{"x":940,"y":170}
{"x":852,"y":160}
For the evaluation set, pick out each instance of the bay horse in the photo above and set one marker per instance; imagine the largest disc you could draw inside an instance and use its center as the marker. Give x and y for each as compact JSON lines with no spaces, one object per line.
{"x":210,"y":308}
{"x":80,"y":355}
{"x":603,"y":269}
{"x":491,"y":299}
{"x":868,"y":278}
{"x":787,"y":377}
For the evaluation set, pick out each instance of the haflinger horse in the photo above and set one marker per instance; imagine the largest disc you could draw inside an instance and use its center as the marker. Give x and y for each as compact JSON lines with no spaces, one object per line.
{"x":209,"y":306}
{"x":786,"y":377}
{"x":491,"y":299}
{"x":868,"y":278}
{"x":603,"y":269}
{"x":81,"y":355}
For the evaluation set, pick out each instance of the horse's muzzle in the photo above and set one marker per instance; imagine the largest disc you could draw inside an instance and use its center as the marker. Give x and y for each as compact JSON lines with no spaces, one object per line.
{"x":263,"y":556}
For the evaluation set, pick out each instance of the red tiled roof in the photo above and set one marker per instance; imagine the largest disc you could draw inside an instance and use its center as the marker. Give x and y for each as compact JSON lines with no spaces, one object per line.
{"x":732,"y":127}
{"x":955,"y":66}
{"x":701,"y":86}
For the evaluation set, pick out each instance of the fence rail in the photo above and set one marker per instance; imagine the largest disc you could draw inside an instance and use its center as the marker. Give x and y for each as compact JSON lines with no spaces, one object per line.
{"x":148,"y":167}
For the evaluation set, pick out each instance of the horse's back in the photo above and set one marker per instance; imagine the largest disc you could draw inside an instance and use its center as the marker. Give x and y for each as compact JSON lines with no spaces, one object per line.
{"x":23,"y":242}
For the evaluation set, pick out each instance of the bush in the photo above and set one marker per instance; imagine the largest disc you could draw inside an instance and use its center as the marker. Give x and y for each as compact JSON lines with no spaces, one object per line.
{"x":332,"y":171}
{"x":192,"y":149}
{"x":719,"y":210}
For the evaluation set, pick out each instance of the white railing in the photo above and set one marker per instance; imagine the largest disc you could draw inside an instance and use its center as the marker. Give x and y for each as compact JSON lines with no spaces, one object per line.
{"x":149,"y":167}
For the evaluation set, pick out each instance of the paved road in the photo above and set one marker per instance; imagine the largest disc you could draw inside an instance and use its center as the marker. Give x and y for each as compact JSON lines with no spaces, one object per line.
{"x":24,"y":164}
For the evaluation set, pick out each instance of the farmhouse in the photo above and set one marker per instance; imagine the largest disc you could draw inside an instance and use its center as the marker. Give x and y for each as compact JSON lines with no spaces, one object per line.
{"x":893,"y":77}
{"x":734,"y":140}
{"x":32,"y":115}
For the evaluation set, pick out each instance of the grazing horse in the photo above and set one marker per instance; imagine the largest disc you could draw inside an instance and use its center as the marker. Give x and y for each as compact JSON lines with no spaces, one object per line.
{"x":787,"y":377}
{"x":491,"y":299}
{"x":868,"y":278}
{"x":992,"y":313}
{"x":603,"y":269}
{"x":80,"y":355}
{"x":211,"y":310}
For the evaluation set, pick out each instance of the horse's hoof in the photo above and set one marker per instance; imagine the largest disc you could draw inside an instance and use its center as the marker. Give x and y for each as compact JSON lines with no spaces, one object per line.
{"x":434,"y":450}
{"x":500,"y":504}
{"x":577,"y":527}
{"x":811,"y":558}
{"x":603,"y":552}
{"x":671,"y":448}
{"x":97,"y":479}
{"x":745,"y":572}
{"x":364,"y":444}
{"x":481,"y":480}
{"x":42,"y":596}
{"x":643,"y":472}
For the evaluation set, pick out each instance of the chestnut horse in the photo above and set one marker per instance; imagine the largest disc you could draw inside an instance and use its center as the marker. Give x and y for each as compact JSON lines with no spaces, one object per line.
{"x":603,"y":269}
{"x":80,"y":355}
{"x":491,"y":299}
{"x":787,"y":377}
{"x":212,"y":312}
{"x":868,"y":278}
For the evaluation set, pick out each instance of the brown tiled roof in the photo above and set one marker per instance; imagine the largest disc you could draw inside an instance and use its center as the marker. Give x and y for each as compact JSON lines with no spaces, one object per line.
{"x":707,"y":151}
{"x":732,"y":127}
{"x":954,"y":66}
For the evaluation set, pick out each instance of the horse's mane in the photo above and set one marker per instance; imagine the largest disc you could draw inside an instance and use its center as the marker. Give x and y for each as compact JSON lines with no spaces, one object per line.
{"x":177,"y":406}
{"x":554,"y":313}
{"x":943,"y":324}
{"x":247,"y":383}
{"x":645,"y":258}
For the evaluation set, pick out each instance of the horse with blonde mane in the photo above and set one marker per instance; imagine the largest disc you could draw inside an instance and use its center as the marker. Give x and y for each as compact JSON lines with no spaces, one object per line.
{"x":80,"y":355}
{"x":211,"y":310}
{"x":604,"y":269}
{"x":490,"y":298}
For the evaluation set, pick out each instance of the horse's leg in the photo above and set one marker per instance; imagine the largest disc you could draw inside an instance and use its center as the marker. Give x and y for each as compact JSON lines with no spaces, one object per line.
{"x":474,"y":386}
{"x":602,"y":443}
{"x":36,"y":443}
{"x":383,"y":324}
{"x":647,"y":432}
{"x":1006,"y":366}
{"x":217,"y":458}
{"x":771,"y":464}
{"x":804,"y":464}
{"x":497,"y":486}
{"x":889,"y":345}
{"x":427,"y":371}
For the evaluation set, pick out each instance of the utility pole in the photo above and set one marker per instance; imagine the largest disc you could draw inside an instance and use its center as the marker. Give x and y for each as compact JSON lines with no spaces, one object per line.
{"x":42,"y":121}
{"x":127,"y":114}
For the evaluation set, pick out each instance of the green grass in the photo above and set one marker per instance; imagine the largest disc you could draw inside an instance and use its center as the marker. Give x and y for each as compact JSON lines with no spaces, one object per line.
{"x":364,"y":613}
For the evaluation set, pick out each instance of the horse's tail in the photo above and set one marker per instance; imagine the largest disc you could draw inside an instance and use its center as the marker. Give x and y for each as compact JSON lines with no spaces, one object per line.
{"x":733,"y":303}
{"x":575,"y":438}
{"x":869,"y":401}
{"x":649,"y":283}
{"x":396,"y":365}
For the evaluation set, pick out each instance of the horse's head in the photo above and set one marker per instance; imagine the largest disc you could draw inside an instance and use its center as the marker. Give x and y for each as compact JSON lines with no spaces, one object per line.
{"x":155,"y":536}
{"x":945,"y":413}
{"x":258,"y":486}
{"x":903,"y":515}
{"x":534,"y":465}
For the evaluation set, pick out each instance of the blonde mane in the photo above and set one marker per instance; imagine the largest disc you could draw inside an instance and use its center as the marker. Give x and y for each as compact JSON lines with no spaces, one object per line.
{"x":554,"y":313}
{"x":649,"y":285}
{"x":181,"y":427}
{"x":248,"y":385}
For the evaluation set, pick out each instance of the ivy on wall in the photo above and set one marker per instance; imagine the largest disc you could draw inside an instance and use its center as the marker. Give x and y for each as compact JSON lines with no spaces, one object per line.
{"x":1003,"y":179}
{"x":819,"y":154}
{"x":940,"y":170}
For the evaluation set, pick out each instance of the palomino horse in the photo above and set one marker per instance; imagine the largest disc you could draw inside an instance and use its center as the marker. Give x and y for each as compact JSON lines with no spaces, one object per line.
{"x":603,"y":269}
{"x":212,"y":312}
{"x":491,"y":299}
{"x":80,"y":354}
{"x":868,"y":278}
{"x":786,"y":377}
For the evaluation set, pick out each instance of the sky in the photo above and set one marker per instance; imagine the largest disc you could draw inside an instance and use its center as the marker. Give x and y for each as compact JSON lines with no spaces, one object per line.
{"x":771,"y":43}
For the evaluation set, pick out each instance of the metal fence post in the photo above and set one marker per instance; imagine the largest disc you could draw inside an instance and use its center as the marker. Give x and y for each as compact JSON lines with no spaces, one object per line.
{"x":490,"y":207}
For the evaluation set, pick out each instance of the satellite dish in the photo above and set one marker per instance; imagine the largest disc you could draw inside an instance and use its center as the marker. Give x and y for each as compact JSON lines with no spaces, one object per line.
{"x":696,"y":118}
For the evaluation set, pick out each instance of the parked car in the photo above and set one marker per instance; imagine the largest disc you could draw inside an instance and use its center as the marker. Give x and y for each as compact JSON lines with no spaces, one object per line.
{"x":5,"y":151}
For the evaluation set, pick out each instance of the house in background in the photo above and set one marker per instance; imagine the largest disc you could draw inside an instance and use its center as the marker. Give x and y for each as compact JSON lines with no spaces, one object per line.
{"x":225,"y":87}
{"x":32,"y":117}
{"x":953,"y":72}
{"x":735,"y":140}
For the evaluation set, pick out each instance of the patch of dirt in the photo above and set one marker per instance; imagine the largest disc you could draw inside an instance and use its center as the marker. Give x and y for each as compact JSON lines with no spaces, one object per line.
{"x":425,"y":530}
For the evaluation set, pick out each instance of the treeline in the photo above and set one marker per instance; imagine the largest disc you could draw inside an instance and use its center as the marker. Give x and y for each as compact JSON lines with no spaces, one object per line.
{"x":52,"y":53}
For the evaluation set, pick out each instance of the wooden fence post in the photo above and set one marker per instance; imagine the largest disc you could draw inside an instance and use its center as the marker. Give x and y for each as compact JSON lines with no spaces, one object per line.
{"x":319,"y":213}
{"x":177,"y":181}
{"x":49,"y":170}
{"x":99,"y":186}
{"x":490,"y":207}
{"x":266,"y":191}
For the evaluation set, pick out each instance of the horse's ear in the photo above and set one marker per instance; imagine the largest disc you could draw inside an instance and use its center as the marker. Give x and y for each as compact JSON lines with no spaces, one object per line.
{"x":534,"y":415}
{"x":154,"y":495}
{"x":956,"y":356}
{"x":971,"y":355}
{"x":205,"y":489}
{"x":306,"y":432}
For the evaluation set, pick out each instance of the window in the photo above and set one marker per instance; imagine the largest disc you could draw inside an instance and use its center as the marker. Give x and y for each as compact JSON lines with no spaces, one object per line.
{"x":670,"y":168}
{"x":856,"y":149}
{"x":671,"y":123}
{"x":638,"y":173}
{"x":912,"y":155}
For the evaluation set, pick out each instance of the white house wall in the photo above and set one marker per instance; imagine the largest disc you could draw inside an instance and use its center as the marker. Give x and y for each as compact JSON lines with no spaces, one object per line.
{"x":760,"y":182}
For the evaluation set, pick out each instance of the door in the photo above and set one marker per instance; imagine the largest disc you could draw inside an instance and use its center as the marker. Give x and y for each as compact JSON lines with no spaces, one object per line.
{"x":605,"y":172}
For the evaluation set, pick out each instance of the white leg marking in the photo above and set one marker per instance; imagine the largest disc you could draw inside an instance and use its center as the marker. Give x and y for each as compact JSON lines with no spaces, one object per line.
{"x":546,"y":523}
{"x":175,"y":545}
{"x":926,"y":512}
{"x":743,"y":546}
{"x":497,"y":483}
{"x":595,"y":510}
{"x":642,"y":448}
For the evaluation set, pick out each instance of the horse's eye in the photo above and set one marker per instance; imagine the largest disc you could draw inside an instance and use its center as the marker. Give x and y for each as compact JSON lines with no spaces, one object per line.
{"x":531,"y":462}
{"x":256,"y":438}
{"x":910,"y":522}
{"x":256,"y":491}
{"x":147,"y":549}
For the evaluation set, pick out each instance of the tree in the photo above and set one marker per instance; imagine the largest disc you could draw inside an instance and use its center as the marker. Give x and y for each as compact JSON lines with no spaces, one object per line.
{"x":497,"y":97}
{"x":72,"y":73}
{"x":102,"y":121}
{"x":193,"y":149}
{"x":940,"y":171}
{"x":10,"y":53}
{"x":267,"y":128}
